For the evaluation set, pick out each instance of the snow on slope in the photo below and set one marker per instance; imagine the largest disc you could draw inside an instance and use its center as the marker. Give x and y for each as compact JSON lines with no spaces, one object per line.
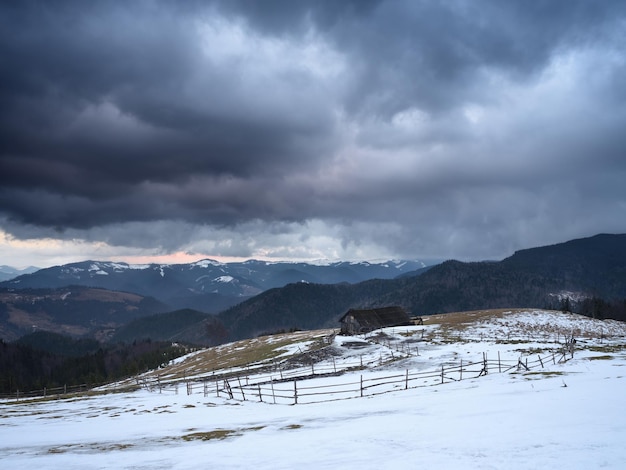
{"x":568,"y":415}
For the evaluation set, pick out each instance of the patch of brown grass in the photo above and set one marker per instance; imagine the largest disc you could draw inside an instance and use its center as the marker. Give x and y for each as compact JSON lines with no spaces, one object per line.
{"x":262,"y":350}
{"x":292,"y":426}
{"x":218,"y":434}
{"x":456,"y":319}
{"x":542,"y":374}
{"x":600,"y":358}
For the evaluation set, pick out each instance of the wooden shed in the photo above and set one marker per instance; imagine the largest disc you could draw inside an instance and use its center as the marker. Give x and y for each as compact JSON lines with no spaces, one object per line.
{"x":363,"y":321}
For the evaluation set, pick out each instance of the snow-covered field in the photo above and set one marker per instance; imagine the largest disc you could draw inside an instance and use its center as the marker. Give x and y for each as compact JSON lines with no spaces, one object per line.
{"x":564,"y":415}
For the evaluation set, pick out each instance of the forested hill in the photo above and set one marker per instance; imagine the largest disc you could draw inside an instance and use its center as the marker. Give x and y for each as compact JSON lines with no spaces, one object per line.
{"x":299,"y":306}
{"x":592,"y":268}
{"x":596,"y":265}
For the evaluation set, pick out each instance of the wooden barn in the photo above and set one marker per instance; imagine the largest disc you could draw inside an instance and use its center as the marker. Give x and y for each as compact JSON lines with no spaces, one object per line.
{"x":363,"y":321}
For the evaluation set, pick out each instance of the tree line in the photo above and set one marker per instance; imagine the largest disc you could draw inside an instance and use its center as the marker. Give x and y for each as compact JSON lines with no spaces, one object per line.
{"x":596,"y":307}
{"x":24,"y":368}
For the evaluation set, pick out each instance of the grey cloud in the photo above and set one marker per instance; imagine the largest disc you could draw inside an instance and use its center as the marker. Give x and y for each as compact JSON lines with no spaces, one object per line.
{"x":434,"y":55}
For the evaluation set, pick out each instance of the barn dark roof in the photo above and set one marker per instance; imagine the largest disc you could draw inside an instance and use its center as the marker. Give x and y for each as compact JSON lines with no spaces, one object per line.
{"x":372,"y":319}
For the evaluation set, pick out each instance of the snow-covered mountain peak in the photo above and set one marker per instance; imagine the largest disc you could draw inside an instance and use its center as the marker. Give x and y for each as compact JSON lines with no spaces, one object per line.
{"x":206,"y":263}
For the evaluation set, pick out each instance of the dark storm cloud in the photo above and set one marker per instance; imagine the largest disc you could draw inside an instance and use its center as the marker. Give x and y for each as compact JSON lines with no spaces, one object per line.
{"x":404,"y":124}
{"x":99,"y":98}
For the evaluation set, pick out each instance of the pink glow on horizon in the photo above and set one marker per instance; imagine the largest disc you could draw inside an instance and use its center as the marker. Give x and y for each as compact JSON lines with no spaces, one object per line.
{"x":177,"y":258}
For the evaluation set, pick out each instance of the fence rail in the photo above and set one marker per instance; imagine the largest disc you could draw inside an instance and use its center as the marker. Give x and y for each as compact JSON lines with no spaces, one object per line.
{"x":49,"y":392}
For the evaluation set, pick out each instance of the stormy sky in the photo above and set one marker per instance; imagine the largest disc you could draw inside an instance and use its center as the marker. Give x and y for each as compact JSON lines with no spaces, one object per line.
{"x":308,"y":129}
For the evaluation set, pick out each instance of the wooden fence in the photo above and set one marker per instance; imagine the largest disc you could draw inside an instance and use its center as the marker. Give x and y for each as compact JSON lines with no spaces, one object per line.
{"x":315,"y":390}
{"x":49,"y":392}
{"x":318,"y":387}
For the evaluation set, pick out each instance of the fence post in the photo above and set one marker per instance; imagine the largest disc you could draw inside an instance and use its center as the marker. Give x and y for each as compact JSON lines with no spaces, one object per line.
{"x":241,"y":388}
{"x":406,"y":382}
{"x":520,"y":363}
{"x":228,"y":389}
{"x":334,"y":365}
{"x":273,"y":394}
{"x":499,"y":363}
{"x":601,"y":334}
{"x":461,"y":371}
{"x":540,"y":360}
{"x":260,"y":396}
{"x":441,"y":373}
{"x":295,"y":392}
{"x":485,"y":363}
{"x":361,"y":386}
{"x":217,"y":388}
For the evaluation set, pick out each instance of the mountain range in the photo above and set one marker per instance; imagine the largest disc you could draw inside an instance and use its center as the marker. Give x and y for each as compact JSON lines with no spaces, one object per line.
{"x":96,"y":298}
{"x":301,"y":296}
{"x":207,"y":285}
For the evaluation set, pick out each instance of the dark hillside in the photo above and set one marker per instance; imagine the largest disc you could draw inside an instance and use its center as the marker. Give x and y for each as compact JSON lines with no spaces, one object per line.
{"x":58,"y":344}
{"x":75,"y":311}
{"x":185,"y":326}
{"x":456,"y":286}
{"x":598,"y":253}
{"x":596,"y":264}
{"x":301,"y":306}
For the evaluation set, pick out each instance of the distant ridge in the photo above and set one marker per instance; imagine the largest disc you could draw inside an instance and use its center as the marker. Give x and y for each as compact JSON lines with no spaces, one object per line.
{"x":9,"y":272}
{"x":206,"y":285}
